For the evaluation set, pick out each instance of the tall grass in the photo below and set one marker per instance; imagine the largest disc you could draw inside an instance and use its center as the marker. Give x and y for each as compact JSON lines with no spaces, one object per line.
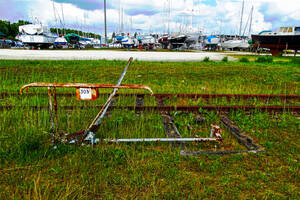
{"x":30,"y":168}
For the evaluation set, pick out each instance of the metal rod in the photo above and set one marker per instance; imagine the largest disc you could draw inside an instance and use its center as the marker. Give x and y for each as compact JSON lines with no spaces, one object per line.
{"x":105,"y":25}
{"x":55,"y":109}
{"x":162,"y":140}
{"x":241,"y":136}
{"x":86,"y":85}
{"x":96,"y":122}
{"x":51,"y":114}
{"x":185,"y":95}
{"x":198,"y":153}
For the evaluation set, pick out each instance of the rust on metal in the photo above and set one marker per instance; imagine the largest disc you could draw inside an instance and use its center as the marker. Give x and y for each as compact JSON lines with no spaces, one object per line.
{"x":171,"y":108}
{"x":51,"y":114}
{"x":55,"y":109}
{"x":185,"y":95}
{"x":198,"y":153}
{"x":85,"y":85}
{"x":241,"y":136}
{"x":89,"y":133}
{"x":216,"y":132}
{"x":85,"y":91}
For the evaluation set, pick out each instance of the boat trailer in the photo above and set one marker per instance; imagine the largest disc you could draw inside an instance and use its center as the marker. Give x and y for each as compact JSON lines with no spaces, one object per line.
{"x":86,"y":91}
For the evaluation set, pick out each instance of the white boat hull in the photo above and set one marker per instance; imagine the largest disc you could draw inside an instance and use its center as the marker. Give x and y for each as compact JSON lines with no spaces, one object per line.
{"x":37,"y":39}
{"x":231,"y":44}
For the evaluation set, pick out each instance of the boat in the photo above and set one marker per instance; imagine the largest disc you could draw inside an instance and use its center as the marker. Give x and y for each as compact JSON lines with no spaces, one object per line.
{"x":176,"y":41}
{"x":119,"y":37}
{"x":285,"y":38}
{"x":85,"y":42}
{"x":193,"y":40}
{"x":36,"y":36}
{"x":60,"y":43}
{"x":163,"y":40}
{"x":73,"y":40}
{"x":212,"y":42}
{"x":96,"y":42}
{"x":128,"y":41}
{"x":148,"y":42}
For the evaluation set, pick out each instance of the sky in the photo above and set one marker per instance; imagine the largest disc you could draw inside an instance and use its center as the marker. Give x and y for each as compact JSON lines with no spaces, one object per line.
{"x":208,"y":16}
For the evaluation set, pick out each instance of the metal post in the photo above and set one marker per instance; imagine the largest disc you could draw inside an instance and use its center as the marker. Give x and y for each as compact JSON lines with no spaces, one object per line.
{"x":89,"y":134}
{"x":105,"y":22}
{"x":55,"y":110}
{"x":102,"y":112}
{"x":51,"y":114}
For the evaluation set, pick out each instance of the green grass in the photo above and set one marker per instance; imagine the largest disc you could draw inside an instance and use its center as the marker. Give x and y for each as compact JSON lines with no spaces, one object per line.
{"x":31,"y":169}
{"x":190,"y":77}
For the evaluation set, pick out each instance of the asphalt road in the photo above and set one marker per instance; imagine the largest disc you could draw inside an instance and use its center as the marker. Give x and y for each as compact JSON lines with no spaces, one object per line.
{"x":20,"y":54}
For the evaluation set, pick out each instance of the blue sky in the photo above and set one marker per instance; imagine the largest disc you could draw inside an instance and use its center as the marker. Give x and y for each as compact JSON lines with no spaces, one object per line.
{"x":209,"y":16}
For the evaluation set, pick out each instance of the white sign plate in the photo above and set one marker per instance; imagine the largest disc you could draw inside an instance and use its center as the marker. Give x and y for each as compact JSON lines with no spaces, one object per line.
{"x":85,"y":93}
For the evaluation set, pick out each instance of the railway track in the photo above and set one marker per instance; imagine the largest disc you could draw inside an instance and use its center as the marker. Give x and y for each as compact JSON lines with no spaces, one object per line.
{"x":160,"y":97}
{"x":168,"y":95}
{"x":169,"y":108}
{"x":90,"y":92}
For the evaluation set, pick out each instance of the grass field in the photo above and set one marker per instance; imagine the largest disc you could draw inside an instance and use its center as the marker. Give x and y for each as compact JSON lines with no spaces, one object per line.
{"x":31,"y":169}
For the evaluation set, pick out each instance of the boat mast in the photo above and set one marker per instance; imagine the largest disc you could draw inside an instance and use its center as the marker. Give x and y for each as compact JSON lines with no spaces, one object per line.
{"x":169,"y":15}
{"x":55,"y":17}
{"x":250,"y":25}
{"x":105,"y":26}
{"x":119,"y":16}
{"x":122,"y":19}
{"x":63,"y":19}
{"x":131,"y":24}
{"x":249,"y":19}
{"x":241,"y":23}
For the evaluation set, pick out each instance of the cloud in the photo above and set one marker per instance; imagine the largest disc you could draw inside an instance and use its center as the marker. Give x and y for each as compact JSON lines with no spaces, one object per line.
{"x":85,"y":4}
{"x":152,"y":15}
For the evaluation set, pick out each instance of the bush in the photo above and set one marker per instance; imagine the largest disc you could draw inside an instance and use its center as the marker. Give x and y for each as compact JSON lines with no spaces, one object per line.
{"x":244,"y":59}
{"x":206,"y":59}
{"x":264,"y":59}
{"x":225,"y":59}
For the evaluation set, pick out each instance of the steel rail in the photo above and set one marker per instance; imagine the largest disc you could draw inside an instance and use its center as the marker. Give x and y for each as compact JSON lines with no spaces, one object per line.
{"x":199,"y":153}
{"x":161,"y":140}
{"x":185,"y":95}
{"x":169,"y":108}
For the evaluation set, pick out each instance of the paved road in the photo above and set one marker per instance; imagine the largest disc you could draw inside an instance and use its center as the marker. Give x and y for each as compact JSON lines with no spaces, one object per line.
{"x":19,"y":54}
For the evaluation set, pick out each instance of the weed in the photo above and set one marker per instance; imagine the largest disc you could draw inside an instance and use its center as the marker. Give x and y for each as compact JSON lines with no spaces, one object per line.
{"x":225,"y":59}
{"x":206,"y":59}
{"x":264,"y":59}
{"x":244,"y":60}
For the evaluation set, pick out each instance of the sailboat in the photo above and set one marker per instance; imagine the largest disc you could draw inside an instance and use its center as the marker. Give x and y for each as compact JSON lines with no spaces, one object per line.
{"x":240,"y":42}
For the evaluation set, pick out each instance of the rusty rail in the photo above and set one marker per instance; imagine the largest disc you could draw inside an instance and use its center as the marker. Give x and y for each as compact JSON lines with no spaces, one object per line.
{"x":169,"y":108}
{"x":198,"y":153}
{"x":162,"y":95}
